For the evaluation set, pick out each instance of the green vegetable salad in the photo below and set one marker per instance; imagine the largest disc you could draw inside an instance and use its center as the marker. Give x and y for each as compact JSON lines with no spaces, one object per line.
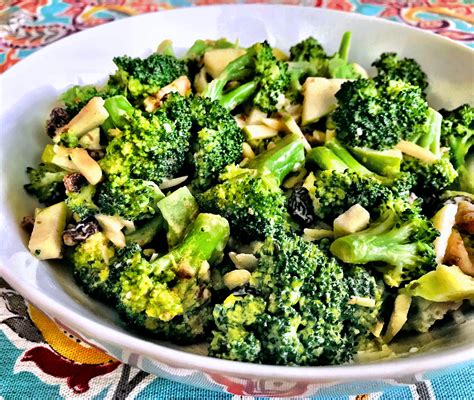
{"x":283,"y":208}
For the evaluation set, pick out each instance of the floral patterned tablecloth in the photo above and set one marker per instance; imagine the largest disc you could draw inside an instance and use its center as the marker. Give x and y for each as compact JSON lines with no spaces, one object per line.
{"x":40,"y":359}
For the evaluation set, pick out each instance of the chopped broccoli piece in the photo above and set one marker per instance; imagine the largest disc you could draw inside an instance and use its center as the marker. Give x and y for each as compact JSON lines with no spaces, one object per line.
{"x":308,"y":49}
{"x":297,"y":309}
{"x":76,"y":97}
{"x":377,"y":113}
{"x":265,"y":78}
{"x":334,"y":192}
{"x":132,"y":199}
{"x":91,"y":262}
{"x":402,"y":239}
{"x":169,"y":296}
{"x":145,"y":233}
{"x":82,"y":203}
{"x":150,"y":148}
{"x":137,"y":78}
{"x":389,"y":66}
{"x":251,"y":199}
{"x":218,"y":141}
{"x":46,"y":183}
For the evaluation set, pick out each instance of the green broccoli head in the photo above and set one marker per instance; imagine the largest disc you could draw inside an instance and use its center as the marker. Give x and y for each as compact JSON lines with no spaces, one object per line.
{"x":133,"y":199}
{"x":82,"y":203}
{"x":430,"y":177}
{"x":151,"y":148}
{"x":296,"y":309}
{"x":334,"y":192}
{"x":236,"y":319}
{"x":272,"y":77}
{"x":218,"y":141}
{"x":308,"y":49}
{"x":137,"y":78}
{"x":260,"y":76}
{"x":389,"y":66}
{"x":76,"y":97}
{"x":399,"y":243}
{"x":364,"y":304}
{"x":46,"y":183}
{"x":166,"y":296}
{"x":457,"y":132}
{"x":91,"y":261}
{"x":254,"y":205}
{"x":378,"y":113}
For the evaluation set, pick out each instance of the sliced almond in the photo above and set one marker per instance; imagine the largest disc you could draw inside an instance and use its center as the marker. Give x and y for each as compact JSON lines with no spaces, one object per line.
{"x":413,"y":150}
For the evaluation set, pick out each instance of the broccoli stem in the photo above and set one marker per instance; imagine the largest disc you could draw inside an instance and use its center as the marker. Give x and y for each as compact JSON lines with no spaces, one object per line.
{"x":286,"y":156}
{"x":203,"y":245}
{"x":429,"y":136}
{"x":118,"y":108}
{"x":145,"y":234}
{"x":234,"y":70}
{"x":340,"y":151}
{"x":239,"y":95}
{"x":380,"y":243}
{"x":325,"y":159}
{"x":345,"y":46}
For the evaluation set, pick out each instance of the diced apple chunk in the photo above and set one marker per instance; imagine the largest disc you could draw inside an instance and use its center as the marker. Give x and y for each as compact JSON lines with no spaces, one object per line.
{"x":46,"y":238}
{"x":216,"y":60}
{"x":86,"y":165}
{"x":319,"y":98}
{"x":92,"y":115}
{"x":353,"y":220}
{"x":399,"y":316}
{"x":443,"y":221}
{"x":258,"y":132}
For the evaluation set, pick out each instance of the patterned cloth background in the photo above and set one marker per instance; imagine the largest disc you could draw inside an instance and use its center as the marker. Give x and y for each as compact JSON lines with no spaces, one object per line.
{"x":38,"y":358}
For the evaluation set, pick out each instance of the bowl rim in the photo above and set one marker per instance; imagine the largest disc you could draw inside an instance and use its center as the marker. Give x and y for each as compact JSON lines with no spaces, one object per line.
{"x":133,"y":344}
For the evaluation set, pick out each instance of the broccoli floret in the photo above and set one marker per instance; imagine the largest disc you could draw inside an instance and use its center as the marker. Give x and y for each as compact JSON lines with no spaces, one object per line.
{"x":254,"y":205}
{"x":259,"y":74}
{"x":297,"y":310}
{"x":82,"y":203}
{"x":150,"y":148}
{"x":365,"y":302}
{"x":133,"y":199}
{"x":402,"y":239}
{"x":389,"y":66}
{"x":46,"y":183}
{"x":430,"y":177}
{"x":251,"y":198}
{"x":308,"y":58}
{"x":77,"y":97}
{"x":466,"y":175}
{"x":434,"y":176}
{"x":91,"y":261}
{"x":218,"y":141}
{"x":137,"y":78}
{"x":335,"y":192}
{"x":457,"y":133}
{"x":378,"y":114}
{"x":308,"y":49}
{"x":170,"y":296}
{"x":235,"y":320}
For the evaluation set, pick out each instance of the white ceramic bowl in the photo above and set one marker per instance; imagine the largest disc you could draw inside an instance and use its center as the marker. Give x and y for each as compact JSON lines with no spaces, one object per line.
{"x":27,"y":93}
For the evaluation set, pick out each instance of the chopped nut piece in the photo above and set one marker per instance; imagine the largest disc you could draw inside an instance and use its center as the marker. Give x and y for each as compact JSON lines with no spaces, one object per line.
{"x":457,"y":254}
{"x":236,"y":278}
{"x":465,"y":217}
{"x":80,"y":232}
{"x":74,"y":182}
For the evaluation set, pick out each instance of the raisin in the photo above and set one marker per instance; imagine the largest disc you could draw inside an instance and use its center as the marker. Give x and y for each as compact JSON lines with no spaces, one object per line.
{"x":300,"y":206}
{"x":57,"y":119}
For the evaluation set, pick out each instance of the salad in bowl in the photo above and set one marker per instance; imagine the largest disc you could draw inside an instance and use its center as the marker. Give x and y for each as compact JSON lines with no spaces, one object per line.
{"x":285,"y":209}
